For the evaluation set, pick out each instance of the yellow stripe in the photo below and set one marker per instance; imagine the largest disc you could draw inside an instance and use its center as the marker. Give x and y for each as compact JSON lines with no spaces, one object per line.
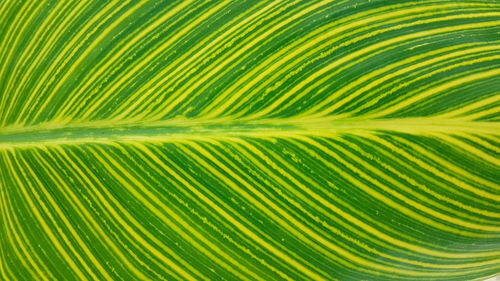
{"x":137,"y":102}
{"x":63,"y":54}
{"x":74,"y":66}
{"x":307,"y":44}
{"x":115,"y":214}
{"x":46,"y":228}
{"x":79,"y":208}
{"x":372,"y":48}
{"x":411,"y":100}
{"x":366,"y":226}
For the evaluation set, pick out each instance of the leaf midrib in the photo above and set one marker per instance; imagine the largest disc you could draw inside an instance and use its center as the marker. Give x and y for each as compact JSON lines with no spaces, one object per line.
{"x":180,"y":128}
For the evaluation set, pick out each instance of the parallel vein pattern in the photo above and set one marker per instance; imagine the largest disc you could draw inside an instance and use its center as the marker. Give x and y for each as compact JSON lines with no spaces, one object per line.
{"x":249,"y":140}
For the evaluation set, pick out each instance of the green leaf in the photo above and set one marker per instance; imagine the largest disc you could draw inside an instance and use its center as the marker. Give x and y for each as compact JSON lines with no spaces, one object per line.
{"x":249,"y":140}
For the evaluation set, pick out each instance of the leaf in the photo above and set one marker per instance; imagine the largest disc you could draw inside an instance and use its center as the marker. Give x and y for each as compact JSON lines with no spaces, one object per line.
{"x":249,"y":140}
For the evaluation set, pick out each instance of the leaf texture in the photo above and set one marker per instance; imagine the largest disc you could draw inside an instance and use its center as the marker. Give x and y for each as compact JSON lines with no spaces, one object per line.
{"x":249,"y":140}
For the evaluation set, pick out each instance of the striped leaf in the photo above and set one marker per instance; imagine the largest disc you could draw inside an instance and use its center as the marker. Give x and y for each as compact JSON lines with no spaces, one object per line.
{"x":250,"y":140}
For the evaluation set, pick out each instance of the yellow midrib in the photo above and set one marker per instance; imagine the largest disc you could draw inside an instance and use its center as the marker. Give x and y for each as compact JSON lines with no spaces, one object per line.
{"x":181,"y":128}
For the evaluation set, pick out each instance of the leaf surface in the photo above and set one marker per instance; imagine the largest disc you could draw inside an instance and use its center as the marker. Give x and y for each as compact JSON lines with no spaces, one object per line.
{"x":249,"y":140}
